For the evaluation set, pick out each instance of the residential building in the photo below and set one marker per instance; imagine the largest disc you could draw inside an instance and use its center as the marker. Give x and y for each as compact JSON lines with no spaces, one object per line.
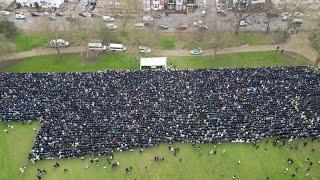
{"x":42,"y":3}
{"x":146,"y":5}
{"x":157,"y":4}
{"x":177,"y":5}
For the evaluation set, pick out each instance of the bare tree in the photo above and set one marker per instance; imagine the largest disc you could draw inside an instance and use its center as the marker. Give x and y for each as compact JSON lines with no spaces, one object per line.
{"x":218,"y":39}
{"x":128,"y":9}
{"x":271,"y":12}
{"x":124,"y":10}
{"x":240,"y":10}
{"x":53,"y":29}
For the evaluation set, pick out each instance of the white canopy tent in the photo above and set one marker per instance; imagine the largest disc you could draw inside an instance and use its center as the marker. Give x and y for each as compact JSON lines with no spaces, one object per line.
{"x":153,"y":63}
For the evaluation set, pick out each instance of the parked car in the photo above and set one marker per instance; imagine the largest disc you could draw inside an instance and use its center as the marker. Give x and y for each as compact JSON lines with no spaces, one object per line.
{"x":298,"y":14}
{"x":197,"y":51}
{"x":144,"y":49}
{"x":111,"y":26}
{"x":147,"y":18}
{"x":96,"y":45}
{"x":52,"y":17}
{"x":45,"y":14}
{"x":117,"y":47}
{"x":119,"y":15}
{"x":5,"y":13}
{"x":20,"y":16}
{"x":58,"y":14}
{"x":34,"y":14}
{"x":197,"y":23}
{"x":243,"y":23}
{"x":156,"y":16}
{"x":139,"y":25}
{"x":222,"y":13}
{"x":203,"y":26}
{"x":108,"y":18}
{"x":163,"y":26}
{"x":297,"y":21}
{"x":285,"y":16}
{"x":182,"y":27}
{"x":83,"y":14}
{"x":59,"y":43}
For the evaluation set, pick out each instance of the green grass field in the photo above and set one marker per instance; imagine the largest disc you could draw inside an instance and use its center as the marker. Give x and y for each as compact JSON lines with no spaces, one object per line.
{"x":119,"y":61}
{"x":28,"y":42}
{"x":234,"y":40}
{"x":195,"y":163}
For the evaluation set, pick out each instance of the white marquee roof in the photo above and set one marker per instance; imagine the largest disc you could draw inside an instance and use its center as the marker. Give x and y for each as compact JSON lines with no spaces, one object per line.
{"x":153,"y":61}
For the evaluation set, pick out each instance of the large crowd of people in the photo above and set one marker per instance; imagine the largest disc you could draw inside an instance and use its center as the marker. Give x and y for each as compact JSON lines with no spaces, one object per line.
{"x":95,"y":113}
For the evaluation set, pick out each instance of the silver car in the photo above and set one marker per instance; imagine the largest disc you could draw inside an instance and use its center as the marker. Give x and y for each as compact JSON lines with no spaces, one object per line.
{"x":59,"y":43}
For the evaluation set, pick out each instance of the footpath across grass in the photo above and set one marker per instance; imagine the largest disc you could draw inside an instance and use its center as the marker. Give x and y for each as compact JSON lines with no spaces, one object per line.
{"x":196,"y":163}
{"x":125,"y":61}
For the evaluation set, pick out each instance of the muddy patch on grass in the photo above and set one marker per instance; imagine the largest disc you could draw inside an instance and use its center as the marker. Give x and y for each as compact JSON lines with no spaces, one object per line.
{"x":5,"y":64}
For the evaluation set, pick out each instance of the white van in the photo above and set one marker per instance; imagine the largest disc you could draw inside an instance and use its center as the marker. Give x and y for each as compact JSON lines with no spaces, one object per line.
{"x":117,"y":47}
{"x":97,"y":45}
{"x":139,"y":25}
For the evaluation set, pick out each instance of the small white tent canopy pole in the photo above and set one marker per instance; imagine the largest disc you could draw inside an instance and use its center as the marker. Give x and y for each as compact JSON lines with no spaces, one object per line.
{"x":153,"y":62}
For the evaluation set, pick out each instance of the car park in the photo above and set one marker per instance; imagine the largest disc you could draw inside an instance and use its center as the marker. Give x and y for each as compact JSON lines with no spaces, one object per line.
{"x":144,"y":49}
{"x":197,"y":51}
{"x":96,"y":45}
{"x":59,"y":43}
{"x":111,"y":26}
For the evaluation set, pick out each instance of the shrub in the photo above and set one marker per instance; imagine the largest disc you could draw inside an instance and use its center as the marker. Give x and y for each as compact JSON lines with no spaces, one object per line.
{"x":7,"y":28}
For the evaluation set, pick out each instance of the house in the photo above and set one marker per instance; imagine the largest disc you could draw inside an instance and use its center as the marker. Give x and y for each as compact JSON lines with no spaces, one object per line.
{"x":157,"y":4}
{"x":177,"y":5}
{"x":146,"y":5}
{"x":42,"y":3}
{"x":243,"y":4}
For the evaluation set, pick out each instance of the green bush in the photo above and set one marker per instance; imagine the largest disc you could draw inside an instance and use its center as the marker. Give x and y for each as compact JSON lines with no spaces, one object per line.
{"x":314,"y":39}
{"x":7,"y":28}
{"x":6,"y":46}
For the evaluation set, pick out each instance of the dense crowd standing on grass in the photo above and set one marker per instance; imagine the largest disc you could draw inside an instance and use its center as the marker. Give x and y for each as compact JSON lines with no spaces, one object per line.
{"x":98,"y":113}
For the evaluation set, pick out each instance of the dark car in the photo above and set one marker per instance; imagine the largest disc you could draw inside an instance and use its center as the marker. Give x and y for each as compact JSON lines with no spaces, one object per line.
{"x":58,"y":14}
{"x":156,"y":16}
{"x":34,"y":14}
